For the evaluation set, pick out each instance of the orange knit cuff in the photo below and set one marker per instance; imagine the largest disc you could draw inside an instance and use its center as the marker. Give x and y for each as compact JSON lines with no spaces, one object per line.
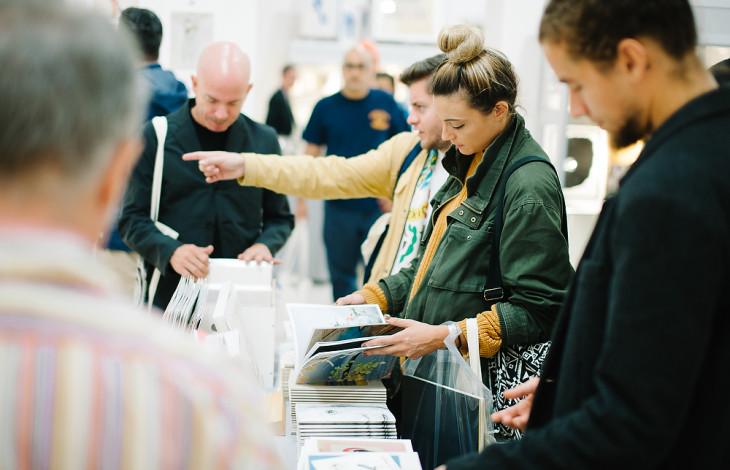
{"x":490,"y":333}
{"x":373,"y":294}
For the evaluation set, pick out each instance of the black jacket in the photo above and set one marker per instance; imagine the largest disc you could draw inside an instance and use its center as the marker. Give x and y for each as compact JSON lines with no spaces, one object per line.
{"x":637,"y":376}
{"x":223,"y":214}
{"x":280,"y":116}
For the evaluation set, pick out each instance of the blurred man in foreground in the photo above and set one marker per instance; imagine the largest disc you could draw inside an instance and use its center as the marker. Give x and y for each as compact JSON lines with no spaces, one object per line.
{"x":86,"y":380}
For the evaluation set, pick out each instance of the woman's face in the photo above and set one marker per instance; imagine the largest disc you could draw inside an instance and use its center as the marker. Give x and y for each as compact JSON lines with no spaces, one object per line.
{"x":469,"y":129}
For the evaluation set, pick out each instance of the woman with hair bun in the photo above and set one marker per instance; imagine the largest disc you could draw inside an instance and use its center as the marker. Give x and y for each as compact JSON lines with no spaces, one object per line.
{"x":496,"y":247}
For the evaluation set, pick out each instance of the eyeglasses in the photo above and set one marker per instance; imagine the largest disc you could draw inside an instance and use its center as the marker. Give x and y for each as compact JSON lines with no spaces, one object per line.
{"x":351,"y":66}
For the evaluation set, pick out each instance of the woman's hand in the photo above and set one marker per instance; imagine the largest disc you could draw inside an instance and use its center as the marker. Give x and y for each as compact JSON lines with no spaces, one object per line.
{"x":218,"y":166}
{"x":353,"y":299}
{"x":415,"y":340}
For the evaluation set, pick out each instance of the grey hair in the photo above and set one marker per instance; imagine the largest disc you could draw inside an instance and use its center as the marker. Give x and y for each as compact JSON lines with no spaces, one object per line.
{"x":69,"y":90}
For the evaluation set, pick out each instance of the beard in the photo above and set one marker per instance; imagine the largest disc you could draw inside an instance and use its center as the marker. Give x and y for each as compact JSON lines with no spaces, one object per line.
{"x":630,"y":132}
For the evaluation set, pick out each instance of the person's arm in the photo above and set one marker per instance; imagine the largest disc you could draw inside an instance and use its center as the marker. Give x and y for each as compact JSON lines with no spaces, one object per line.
{"x":373,"y":174}
{"x":534,"y":257}
{"x":137,"y":229}
{"x":662,"y":300}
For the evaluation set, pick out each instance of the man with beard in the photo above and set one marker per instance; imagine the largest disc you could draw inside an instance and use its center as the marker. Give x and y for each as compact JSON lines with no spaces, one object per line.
{"x":640,"y":350}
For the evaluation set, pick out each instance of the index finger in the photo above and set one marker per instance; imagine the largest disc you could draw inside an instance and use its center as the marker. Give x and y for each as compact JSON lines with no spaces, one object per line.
{"x":194,"y":156}
{"x":521,"y":390}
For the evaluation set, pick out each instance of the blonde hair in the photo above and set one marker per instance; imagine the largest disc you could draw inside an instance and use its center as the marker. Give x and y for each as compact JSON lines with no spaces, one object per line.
{"x":483,"y":75}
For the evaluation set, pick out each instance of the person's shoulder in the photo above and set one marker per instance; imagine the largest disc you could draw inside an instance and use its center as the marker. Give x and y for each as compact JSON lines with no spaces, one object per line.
{"x":331,"y":100}
{"x":258,"y":131}
{"x":129,"y":330}
{"x":277,"y":95}
{"x":535,"y":180}
{"x":404,"y":140}
{"x":381,"y":97}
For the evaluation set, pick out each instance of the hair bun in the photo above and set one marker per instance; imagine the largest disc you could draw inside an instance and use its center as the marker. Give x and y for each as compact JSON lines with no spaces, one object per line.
{"x":461,"y":43}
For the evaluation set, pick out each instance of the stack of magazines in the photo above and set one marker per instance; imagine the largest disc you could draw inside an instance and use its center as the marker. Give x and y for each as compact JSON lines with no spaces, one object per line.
{"x":356,"y":454}
{"x":344,"y":420}
{"x":370,"y":394}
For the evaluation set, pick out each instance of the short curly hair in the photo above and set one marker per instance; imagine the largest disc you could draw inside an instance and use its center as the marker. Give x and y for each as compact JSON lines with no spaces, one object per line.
{"x":592,"y":29}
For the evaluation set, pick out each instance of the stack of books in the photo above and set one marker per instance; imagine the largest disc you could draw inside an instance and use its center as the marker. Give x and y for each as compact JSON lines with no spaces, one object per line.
{"x":344,"y":420}
{"x":286,"y":367}
{"x":370,"y":394}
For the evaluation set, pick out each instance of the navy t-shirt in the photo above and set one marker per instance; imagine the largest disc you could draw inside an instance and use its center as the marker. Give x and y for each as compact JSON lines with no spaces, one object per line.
{"x":352,"y":127}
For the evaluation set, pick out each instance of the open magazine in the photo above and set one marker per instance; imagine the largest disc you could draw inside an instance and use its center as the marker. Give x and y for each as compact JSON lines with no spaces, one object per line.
{"x":329,"y":344}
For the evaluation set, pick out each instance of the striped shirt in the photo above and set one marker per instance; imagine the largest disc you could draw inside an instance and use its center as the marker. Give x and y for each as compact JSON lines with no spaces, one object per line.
{"x":88,"y":381}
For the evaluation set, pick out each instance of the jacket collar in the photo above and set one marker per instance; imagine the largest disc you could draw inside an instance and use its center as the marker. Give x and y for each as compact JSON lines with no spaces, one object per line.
{"x":706,"y":106}
{"x":481,"y":186}
{"x":238,"y":136}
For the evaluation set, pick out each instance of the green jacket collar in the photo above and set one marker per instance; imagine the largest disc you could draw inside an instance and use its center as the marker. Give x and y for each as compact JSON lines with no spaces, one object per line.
{"x":480,"y":187}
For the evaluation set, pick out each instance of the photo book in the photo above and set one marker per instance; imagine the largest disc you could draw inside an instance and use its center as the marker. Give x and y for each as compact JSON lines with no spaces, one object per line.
{"x":329,"y":344}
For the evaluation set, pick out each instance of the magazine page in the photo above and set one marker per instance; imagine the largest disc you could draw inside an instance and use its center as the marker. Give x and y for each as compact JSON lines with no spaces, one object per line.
{"x":349,"y":334}
{"x":347,"y":367}
{"x":305,"y":318}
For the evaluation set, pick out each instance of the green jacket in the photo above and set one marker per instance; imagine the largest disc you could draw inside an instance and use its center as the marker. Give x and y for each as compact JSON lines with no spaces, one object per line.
{"x":533,"y":250}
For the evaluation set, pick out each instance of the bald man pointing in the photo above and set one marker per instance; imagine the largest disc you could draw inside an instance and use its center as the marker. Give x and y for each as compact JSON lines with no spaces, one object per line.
{"x":221,"y":220}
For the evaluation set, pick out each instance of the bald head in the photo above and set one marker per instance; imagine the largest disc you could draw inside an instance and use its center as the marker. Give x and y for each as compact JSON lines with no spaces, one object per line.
{"x":221,"y":84}
{"x":224,"y":61}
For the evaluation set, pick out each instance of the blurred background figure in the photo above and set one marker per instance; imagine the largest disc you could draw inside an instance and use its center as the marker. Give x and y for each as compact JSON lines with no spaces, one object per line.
{"x":280,"y":116}
{"x":352,"y":121}
{"x":386,"y":82}
{"x":86,"y":379}
{"x":166,"y":94}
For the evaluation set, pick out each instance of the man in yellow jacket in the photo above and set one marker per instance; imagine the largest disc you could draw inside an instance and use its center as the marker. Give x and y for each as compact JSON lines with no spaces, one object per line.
{"x":406,"y":168}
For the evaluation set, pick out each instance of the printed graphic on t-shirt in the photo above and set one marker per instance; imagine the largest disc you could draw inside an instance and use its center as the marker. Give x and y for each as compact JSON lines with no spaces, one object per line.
{"x":379,"y":119}
{"x":417,"y":216}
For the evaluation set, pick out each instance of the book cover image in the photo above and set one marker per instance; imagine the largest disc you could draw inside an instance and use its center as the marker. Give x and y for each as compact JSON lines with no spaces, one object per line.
{"x":348,"y":367}
{"x":329,"y":344}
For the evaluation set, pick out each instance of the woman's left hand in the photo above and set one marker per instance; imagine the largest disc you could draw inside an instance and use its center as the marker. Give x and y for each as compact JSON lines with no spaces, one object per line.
{"x":415,"y":340}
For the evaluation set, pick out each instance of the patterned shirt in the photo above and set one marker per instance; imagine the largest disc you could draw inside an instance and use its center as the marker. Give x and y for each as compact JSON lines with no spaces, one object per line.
{"x":432,"y":176}
{"x":87,"y":381}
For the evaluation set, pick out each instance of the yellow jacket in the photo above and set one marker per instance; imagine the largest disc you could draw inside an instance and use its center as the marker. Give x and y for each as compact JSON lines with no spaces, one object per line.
{"x":374,"y":174}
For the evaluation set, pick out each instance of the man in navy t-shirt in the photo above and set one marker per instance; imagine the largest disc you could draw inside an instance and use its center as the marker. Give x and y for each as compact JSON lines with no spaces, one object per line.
{"x":351,"y":122}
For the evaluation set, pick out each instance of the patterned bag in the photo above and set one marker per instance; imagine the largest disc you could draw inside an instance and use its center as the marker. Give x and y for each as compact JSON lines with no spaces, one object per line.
{"x":511,"y":366}
{"x":515,"y":364}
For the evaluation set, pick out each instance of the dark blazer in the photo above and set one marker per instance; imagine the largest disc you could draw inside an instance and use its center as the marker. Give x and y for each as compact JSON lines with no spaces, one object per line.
{"x":638,"y":372}
{"x":228,"y":216}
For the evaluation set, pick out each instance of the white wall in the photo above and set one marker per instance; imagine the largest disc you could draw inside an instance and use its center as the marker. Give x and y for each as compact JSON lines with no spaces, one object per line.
{"x":239,"y":21}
